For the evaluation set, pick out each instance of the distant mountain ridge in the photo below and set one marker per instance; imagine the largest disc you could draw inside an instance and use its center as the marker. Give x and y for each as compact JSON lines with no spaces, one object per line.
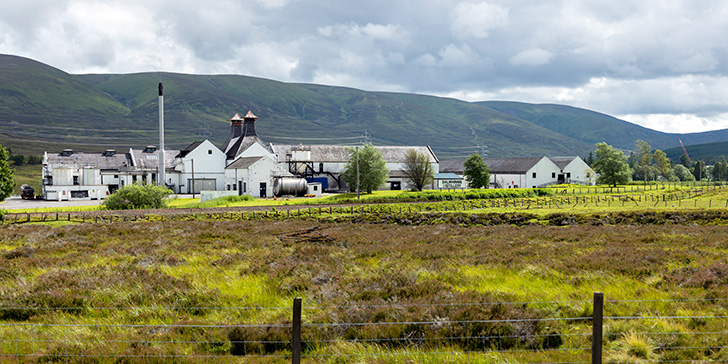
{"x":594,"y":127}
{"x":43,"y":108}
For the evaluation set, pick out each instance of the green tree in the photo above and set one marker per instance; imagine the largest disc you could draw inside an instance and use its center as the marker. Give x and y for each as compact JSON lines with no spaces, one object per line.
{"x":417,"y":169}
{"x":685,"y":161}
{"x":138,"y":196}
{"x":664,"y":165}
{"x":683,"y":173}
{"x":477,"y":173}
{"x":35,"y":159}
{"x":590,"y":159}
{"x":373,"y":170}
{"x":7,"y":184}
{"x":18,"y":159}
{"x":611,"y":164}
{"x":720,"y":170}
{"x":699,"y":171}
{"x":643,"y":159}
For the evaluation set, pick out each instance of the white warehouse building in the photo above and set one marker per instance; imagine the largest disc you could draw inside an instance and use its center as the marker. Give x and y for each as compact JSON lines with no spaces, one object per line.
{"x":247,"y":165}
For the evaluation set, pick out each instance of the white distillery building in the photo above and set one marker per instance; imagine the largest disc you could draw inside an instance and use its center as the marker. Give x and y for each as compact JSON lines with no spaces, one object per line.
{"x":247,"y":165}
{"x":530,"y":172}
{"x":244,"y":165}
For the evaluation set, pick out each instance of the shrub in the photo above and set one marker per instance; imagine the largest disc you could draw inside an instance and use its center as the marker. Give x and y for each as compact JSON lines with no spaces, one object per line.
{"x":138,"y":196}
{"x":225,"y":201}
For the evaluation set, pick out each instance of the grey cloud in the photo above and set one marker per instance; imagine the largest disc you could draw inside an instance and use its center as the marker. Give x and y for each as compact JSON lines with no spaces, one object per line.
{"x":653,"y":55}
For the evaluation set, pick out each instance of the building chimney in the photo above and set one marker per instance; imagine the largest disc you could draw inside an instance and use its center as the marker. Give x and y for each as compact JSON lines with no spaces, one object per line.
{"x":249,"y":124}
{"x":236,"y":130}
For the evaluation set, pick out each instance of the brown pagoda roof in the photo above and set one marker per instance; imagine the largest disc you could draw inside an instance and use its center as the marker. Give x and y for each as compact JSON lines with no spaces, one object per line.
{"x":249,"y":115}
{"x":236,"y":117}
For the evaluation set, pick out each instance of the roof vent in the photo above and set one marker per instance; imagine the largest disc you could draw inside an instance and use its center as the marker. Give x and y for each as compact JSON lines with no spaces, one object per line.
{"x":109,"y":153}
{"x":149,"y":149}
{"x":67,"y":152}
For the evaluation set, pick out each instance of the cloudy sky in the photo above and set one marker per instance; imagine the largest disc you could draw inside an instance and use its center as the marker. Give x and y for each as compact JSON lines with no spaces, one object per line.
{"x":662,"y":64}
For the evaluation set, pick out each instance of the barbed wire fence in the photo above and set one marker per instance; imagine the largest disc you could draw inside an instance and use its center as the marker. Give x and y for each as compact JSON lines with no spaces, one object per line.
{"x":86,"y":335}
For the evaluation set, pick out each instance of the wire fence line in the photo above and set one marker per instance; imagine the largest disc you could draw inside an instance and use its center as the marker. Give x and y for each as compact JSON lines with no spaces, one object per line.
{"x":86,"y":335}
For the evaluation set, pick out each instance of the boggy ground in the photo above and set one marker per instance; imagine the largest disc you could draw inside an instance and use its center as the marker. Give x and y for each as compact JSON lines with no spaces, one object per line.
{"x":362,"y":273}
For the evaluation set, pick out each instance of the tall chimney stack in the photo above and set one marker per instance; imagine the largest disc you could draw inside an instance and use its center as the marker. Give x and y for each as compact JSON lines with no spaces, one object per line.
{"x":161,"y":179}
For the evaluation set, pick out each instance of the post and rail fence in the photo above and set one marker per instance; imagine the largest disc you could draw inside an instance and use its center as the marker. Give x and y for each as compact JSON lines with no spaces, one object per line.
{"x":676,"y":198}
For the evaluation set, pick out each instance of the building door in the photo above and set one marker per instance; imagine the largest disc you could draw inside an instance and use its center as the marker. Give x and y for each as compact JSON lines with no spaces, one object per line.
{"x":263,"y":189}
{"x":240,"y":188}
{"x":561,"y":179}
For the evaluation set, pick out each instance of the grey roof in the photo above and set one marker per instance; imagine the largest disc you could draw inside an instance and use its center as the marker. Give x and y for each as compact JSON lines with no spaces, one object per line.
{"x":98,"y":160}
{"x":339,"y":153}
{"x":240,"y":144}
{"x":243,"y":162}
{"x":511,"y":165}
{"x":496,"y":165}
{"x":562,"y":162}
{"x":452,"y":165}
{"x":151,"y":160}
{"x":183,"y":153}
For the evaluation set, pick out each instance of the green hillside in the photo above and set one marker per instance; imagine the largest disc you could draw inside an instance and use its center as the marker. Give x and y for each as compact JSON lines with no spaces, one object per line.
{"x":594,"y":127}
{"x":708,"y":152}
{"x":43,"y":108}
{"x":41,"y":103}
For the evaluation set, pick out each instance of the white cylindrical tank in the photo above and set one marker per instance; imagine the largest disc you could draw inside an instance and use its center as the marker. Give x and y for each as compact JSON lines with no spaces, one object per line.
{"x":301,"y":155}
{"x":289,"y":186}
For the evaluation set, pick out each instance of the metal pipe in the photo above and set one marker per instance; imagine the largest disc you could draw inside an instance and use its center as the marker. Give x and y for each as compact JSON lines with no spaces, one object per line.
{"x":357,"y":173}
{"x":162,"y":178}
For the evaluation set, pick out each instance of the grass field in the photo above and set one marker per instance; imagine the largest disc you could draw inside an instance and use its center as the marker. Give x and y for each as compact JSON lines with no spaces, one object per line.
{"x":435,"y":291}
{"x":366,"y":273}
{"x":29,"y":174}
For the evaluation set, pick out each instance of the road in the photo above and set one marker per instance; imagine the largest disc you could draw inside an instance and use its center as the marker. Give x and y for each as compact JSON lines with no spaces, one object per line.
{"x":15,"y":202}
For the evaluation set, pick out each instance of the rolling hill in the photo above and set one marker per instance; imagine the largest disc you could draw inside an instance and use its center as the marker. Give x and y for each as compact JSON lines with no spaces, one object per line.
{"x":708,"y":152}
{"x":594,"y":127}
{"x":43,"y":108}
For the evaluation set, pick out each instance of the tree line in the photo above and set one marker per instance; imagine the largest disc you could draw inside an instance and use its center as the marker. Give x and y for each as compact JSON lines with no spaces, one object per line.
{"x":614,"y":167}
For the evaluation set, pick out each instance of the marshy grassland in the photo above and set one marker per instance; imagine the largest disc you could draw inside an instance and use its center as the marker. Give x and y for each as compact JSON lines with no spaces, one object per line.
{"x":447,"y":288}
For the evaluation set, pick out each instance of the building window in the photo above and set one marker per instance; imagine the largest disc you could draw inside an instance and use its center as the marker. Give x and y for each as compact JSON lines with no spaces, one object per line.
{"x":534,"y":174}
{"x":75,"y":180}
{"x":116,"y":176}
{"x":568,"y":175}
{"x":553,"y":174}
{"x":228,"y":187}
{"x":235,"y":187}
{"x":321,"y":167}
{"x":209,"y":151}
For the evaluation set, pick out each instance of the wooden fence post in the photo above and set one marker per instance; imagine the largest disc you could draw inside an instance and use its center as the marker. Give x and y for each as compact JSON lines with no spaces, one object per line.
{"x":597,"y":314}
{"x":296,"y":339}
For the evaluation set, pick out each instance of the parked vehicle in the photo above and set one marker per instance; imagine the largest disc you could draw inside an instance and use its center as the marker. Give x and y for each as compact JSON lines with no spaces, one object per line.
{"x":27,"y":192}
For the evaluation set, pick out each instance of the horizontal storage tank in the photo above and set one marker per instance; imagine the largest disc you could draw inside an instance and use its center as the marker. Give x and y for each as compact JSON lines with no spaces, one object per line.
{"x":289,"y":186}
